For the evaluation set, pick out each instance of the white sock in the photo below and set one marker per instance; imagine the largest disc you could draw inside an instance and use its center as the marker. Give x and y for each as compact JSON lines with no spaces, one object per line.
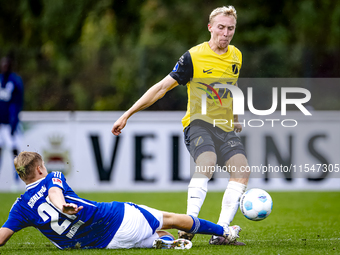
{"x":230,"y":202}
{"x":197,"y":190}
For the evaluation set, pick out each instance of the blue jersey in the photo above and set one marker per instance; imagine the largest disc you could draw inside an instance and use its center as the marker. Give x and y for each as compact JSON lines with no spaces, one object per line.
{"x":11,"y":99}
{"x":92,"y":227}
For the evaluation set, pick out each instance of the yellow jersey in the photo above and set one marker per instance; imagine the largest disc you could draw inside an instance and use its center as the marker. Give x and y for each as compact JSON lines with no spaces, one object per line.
{"x":201,"y":69}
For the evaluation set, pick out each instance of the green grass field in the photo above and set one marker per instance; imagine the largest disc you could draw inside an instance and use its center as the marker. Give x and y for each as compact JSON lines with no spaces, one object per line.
{"x":300,"y":223}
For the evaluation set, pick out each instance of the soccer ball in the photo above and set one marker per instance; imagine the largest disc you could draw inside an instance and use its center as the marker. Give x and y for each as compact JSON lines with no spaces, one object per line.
{"x":256,"y":204}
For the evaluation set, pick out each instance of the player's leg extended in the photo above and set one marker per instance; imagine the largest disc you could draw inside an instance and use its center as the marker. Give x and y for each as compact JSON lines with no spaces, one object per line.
{"x":198,"y":185}
{"x":236,"y":187}
{"x":201,"y":147}
{"x":191,"y":224}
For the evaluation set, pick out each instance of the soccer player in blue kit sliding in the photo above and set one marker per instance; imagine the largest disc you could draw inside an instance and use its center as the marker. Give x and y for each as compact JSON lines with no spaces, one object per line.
{"x":68,"y":221}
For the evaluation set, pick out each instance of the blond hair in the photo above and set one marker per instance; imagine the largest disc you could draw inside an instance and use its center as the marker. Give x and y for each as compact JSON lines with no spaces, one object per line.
{"x":226,"y":11}
{"x":25,"y":164}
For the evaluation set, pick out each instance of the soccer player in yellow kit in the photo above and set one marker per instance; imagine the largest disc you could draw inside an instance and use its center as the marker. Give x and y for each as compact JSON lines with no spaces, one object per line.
{"x":201,"y":69}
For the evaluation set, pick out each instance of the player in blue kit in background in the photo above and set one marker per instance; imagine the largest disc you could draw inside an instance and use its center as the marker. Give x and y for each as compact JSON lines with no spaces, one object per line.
{"x":69,"y":221}
{"x":11,"y":102}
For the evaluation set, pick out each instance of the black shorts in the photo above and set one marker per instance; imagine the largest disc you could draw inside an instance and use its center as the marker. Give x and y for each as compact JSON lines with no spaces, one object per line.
{"x":201,"y":136}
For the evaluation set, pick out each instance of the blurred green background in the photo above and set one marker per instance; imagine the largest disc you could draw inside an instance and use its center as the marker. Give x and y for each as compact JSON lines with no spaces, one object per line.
{"x":104,"y":54}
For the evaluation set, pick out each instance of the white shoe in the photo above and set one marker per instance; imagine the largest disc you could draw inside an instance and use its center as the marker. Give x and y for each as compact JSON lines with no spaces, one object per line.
{"x":231,"y":233}
{"x":176,"y":244}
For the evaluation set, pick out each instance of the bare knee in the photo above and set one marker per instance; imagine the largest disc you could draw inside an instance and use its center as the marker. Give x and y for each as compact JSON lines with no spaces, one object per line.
{"x":205,"y":163}
{"x":240,"y":171}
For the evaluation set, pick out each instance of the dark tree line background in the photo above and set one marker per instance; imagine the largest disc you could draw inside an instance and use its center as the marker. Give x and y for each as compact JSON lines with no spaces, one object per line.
{"x":104,"y":54}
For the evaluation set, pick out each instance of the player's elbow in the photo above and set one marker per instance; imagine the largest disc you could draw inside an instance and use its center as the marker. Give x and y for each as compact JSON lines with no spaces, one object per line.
{"x":161,"y":93}
{"x":3,"y":241}
{"x":157,"y":92}
{"x":5,"y":235}
{"x":165,"y":85}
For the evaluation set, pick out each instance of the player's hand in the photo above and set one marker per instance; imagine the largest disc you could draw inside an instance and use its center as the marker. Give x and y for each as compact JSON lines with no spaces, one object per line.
{"x":71,"y":208}
{"x":237,"y":127}
{"x":119,"y":125}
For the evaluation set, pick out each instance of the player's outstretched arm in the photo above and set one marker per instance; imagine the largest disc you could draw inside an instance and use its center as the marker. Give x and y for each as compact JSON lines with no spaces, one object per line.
{"x":57,"y":198}
{"x":5,"y":235}
{"x":156,"y":92}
